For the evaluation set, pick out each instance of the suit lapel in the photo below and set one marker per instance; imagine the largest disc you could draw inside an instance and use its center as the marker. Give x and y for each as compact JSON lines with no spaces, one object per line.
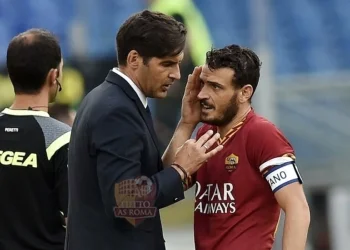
{"x":118,"y":80}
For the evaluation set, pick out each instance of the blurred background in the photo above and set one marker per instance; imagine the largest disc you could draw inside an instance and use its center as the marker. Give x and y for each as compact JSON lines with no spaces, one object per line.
{"x":305,"y":86}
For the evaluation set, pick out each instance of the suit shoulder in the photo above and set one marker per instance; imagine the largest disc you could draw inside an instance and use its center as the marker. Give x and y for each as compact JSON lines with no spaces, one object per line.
{"x":107,"y":93}
{"x":102,"y":101}
{"x":116,"y":113}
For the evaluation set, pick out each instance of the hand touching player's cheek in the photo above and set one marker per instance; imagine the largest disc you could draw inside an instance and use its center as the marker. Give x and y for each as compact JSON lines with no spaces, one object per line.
{"x":191,"y":109}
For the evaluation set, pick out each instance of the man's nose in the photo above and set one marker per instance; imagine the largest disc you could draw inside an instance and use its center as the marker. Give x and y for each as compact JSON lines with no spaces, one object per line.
{"x":175,"y":74}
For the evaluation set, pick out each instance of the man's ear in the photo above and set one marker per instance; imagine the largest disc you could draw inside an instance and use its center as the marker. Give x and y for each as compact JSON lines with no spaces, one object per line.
{"x":52,"y":76}
{"x":245,"y":93}
{"x":133,"y":59}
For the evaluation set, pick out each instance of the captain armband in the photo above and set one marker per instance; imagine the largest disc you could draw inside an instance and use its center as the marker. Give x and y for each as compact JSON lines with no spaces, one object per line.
{"x":280,"y":172}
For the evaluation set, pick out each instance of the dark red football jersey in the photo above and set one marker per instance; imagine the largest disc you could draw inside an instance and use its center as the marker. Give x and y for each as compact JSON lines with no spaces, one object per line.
{"x":235,"y":207}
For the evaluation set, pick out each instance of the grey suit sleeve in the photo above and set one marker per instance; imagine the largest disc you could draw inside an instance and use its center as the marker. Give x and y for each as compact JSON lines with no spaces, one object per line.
{"x":118,"y":141}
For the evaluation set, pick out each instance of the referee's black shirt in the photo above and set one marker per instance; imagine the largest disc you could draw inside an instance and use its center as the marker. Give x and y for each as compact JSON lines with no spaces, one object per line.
{"x":33,"y":180}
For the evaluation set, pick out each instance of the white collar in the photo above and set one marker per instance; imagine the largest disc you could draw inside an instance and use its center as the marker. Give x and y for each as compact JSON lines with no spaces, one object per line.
{"x":141,"y":95}
{"x":24,"y":112}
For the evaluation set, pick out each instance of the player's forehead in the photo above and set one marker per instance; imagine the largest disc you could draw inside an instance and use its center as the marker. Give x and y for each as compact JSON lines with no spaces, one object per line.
{"x":216,"y":75}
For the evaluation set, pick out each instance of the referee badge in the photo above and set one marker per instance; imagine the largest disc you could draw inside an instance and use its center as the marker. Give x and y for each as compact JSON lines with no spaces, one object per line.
{"x":231,"y":162}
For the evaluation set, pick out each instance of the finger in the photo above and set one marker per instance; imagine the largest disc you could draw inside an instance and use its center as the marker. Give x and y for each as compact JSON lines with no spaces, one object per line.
{"x":213,"y":152}
{"x":204,"y":138}
{"x":197,"y":83}
{"x":191,"y":140}
{"x":196,"y":72}
{"x":195,"y":76}
{"x":189,"y":85}
{"x":211,"y":141}
{"x":193,"y":79}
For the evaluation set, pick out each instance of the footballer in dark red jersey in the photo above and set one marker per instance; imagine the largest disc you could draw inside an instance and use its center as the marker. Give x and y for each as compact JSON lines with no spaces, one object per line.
{"x":241,"y":190}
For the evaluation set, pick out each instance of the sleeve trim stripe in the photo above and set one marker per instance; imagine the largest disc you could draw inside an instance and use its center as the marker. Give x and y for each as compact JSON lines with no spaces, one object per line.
{"x":273,"y":162}
{"x":57,"y":144}
{"x":285,"y":184}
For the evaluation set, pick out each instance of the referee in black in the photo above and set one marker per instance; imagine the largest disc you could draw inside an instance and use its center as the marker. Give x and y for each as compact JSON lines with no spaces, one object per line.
{"x":33,"y":148}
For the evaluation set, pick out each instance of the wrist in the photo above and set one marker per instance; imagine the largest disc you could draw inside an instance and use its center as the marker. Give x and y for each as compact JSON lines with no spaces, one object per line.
{"x":181,"y":173}
{"x":187,"y":125}
{"x":182,"y":176}
{"x":185,"y":177}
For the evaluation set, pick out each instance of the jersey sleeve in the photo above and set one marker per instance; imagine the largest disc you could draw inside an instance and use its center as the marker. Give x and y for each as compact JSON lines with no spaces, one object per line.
{"x":273,"y":155}
{"x":60,"y":163}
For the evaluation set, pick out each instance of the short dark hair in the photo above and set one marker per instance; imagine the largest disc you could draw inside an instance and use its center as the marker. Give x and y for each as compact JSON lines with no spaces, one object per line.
{"x":245,"y":63}
{"x":151,"y":34}
{"x":30,"y":57}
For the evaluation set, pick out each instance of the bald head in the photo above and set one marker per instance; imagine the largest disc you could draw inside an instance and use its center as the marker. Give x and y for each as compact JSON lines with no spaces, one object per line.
{"x":30,"y":57}
{"x":31,"y":35}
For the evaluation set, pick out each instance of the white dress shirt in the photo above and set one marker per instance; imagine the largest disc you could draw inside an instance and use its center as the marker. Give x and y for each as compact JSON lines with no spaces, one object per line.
{"x":139,"y":93}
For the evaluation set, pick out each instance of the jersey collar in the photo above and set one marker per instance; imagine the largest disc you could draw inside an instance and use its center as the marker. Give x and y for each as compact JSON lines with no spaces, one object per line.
{"x":236,"y":127}
{"x":23,"y":112}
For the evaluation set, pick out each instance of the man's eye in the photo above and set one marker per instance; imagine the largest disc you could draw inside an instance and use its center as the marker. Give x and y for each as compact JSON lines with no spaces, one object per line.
{"x":215,"y":86}
{"x":167,"y":64}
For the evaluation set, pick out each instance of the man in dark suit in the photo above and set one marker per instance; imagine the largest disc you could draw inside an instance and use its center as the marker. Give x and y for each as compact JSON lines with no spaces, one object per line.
{"x":117,"y":178}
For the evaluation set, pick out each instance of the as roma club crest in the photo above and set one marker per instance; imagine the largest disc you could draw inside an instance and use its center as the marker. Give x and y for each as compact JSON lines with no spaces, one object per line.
{"x":135,"y":200}
{"x":231,"y":162}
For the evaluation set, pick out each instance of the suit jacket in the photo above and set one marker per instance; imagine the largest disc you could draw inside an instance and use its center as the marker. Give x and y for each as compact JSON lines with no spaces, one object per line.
{"x":112,"y":143}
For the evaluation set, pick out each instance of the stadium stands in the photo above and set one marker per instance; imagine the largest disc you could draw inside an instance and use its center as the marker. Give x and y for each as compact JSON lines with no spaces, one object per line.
{"x":306,"y":36}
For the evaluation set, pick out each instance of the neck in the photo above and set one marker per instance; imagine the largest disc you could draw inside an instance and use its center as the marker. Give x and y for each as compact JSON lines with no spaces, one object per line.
{"x":36,"y":102}
{"x":241,"y":114}
{"x":129,"y":73}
